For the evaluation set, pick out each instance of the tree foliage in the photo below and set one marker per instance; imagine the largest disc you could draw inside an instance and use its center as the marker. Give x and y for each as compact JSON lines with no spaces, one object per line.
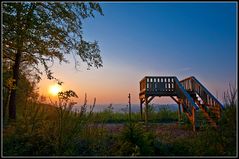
{"x":44,"y":31}
{"x":37,"y":33}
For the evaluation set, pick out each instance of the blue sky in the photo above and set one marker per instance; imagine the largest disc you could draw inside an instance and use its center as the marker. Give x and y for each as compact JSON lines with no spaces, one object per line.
{"x":176,"y":39}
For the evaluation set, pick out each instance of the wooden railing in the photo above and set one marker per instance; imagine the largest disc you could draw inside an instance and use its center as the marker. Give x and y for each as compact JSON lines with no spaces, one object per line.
{"x":192,"y":84}
{"x":155,"y":85}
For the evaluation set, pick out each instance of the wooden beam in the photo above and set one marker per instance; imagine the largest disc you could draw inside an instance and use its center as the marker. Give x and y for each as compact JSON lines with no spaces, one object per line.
{"x":141,"y":109}
{"x":151,"y":99}
{"x":146,"y":110}
{"x":177,"y":101}
{"x":194,"y":119}
{"x":129,"y":107}
{"x":179,"y":112}
{"x":143,"y":100}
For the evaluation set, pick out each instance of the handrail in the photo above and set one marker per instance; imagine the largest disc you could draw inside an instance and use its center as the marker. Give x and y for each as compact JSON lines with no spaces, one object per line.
{"x":191,"y":83}
{"x":188,"y":78}
{"x":185,"y":93}
{"x":208,"y":92}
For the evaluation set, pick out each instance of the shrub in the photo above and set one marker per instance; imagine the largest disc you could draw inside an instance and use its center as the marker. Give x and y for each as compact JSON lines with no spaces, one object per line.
{"x":134,"y":140}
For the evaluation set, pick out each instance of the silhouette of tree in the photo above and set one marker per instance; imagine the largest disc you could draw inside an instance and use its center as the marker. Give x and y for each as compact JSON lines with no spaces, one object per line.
{"x":37,"y":33}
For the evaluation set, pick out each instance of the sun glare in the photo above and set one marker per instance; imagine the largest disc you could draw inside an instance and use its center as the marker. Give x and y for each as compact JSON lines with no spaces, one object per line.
{"x":54,"y":89}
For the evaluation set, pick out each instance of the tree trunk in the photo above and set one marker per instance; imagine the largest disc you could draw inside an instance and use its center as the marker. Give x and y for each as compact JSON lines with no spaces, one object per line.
{"x":16,"y":69}
{"x":12,"y":102}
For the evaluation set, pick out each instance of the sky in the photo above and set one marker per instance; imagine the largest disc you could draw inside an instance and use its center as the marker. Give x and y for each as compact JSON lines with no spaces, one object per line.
{"x":140,"y":39}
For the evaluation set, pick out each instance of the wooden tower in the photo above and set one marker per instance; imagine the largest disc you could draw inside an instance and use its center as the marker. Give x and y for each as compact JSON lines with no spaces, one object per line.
{"x":185,"y":93}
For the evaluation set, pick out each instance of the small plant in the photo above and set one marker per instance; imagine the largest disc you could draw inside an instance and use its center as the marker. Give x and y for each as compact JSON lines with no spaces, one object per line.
{"x":134,"y":140}
{"x":230,"y":96}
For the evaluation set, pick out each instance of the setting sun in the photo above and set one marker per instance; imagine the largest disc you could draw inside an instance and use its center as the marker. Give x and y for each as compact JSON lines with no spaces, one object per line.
{"x":54,"y":89}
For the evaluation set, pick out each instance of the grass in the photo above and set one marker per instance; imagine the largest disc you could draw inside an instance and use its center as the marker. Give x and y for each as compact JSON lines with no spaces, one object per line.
{"x":165,"y":115}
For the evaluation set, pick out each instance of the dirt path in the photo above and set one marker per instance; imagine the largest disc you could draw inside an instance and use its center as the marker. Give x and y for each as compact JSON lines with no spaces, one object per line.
{"x":168,"y":131}
{"x":114,"y":128}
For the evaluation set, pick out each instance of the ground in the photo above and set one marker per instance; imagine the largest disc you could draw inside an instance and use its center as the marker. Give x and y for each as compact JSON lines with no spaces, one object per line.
{"x":169,"y":131}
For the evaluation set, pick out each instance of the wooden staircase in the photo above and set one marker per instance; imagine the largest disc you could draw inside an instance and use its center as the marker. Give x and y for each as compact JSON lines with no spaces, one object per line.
{"x":210,"y":106}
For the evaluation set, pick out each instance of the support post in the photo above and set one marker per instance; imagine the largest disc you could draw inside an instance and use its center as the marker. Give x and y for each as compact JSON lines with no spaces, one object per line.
{"x":194,"y":119}
{"x":179,"y":112}
{"x":146,"y":110}
{"x":141,"y":109}
{"x":129,"y":108}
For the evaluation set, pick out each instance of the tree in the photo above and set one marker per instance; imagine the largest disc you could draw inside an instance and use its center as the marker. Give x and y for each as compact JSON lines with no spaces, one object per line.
{"x":37,"y":33}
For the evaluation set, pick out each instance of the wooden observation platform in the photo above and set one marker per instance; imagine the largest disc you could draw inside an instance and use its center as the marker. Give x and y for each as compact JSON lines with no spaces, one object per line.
{"x":189,"y":94}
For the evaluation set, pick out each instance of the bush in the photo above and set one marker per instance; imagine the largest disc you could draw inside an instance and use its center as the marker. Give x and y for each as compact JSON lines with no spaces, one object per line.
{"x":210,"y":141}
{"x":135,"y":140}
{"x":28,"y":135}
